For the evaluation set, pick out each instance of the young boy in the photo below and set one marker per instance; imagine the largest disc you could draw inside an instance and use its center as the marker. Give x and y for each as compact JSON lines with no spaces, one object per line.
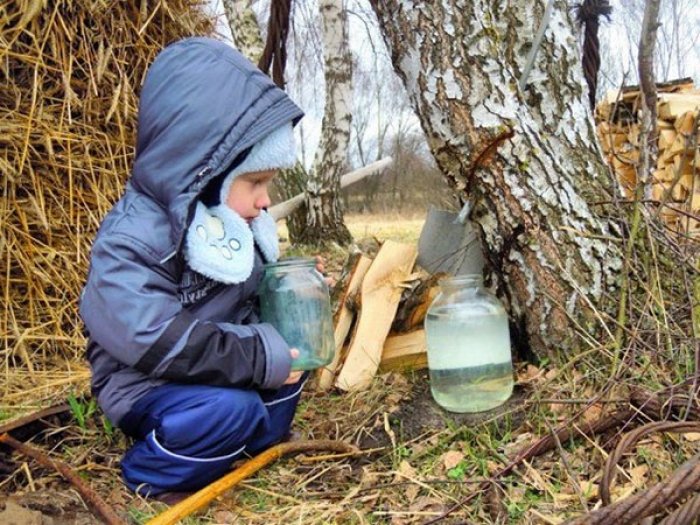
{"x":179,"y":358}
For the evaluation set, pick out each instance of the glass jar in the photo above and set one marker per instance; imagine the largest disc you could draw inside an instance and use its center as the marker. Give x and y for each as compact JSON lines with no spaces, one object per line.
{"x":468,"y":341}
{"x":294,"y":299}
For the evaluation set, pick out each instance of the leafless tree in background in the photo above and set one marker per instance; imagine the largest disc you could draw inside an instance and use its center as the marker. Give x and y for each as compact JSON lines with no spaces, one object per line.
{"x":324,"y":213}
{"x":677,"y":50}
{"x":647,"y":82}
{"x":244,"y":28}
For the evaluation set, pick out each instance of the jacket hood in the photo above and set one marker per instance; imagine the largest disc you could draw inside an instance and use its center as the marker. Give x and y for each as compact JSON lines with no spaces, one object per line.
{"x":202,"y":105}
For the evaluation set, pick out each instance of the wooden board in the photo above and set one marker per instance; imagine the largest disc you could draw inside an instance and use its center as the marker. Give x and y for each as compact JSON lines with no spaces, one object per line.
{"x":326,"y":375}
{"x":685,"y":123}
{"x":672,"y":105}
{"x":405,"y":352}
{"x":666,"y":138}
{"x":415,"y":303}
{"x":380,"y":295}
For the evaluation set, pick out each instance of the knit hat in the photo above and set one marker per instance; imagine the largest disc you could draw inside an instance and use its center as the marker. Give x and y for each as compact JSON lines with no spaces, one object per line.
{"x":276,"y":151}
{"x":220,"y":243}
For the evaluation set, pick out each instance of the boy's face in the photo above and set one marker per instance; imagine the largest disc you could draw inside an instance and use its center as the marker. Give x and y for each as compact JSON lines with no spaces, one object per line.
{"x":248,"y":193}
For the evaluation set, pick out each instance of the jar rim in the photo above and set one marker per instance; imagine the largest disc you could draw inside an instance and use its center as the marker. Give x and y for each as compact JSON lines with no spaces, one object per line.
{"x":456,"y":280}
{"x":292,"y":262}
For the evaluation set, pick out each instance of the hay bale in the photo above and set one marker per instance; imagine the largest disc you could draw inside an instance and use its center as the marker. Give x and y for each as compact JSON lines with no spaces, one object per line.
{"x":71,"y":74}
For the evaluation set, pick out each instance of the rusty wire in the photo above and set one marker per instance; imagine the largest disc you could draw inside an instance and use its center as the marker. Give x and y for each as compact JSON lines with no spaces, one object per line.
{"x":587,"y":15}
{"x":686,"y":514}
{"x":275,"y":53}
{"x":665,"y":404}
{"x":682,"y":482}
{"x":629,"y":440}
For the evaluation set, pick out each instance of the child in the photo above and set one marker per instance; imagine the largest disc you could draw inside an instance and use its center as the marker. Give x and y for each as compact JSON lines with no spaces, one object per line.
{"x":179,"y":359}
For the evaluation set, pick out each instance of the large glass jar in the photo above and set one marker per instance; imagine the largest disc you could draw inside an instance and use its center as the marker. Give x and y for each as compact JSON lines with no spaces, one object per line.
{"x":468,"y":342}
{"x":294,"y":299}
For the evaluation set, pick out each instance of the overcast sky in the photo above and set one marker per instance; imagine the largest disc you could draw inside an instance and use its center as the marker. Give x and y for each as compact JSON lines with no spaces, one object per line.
{"x":678,"y":42}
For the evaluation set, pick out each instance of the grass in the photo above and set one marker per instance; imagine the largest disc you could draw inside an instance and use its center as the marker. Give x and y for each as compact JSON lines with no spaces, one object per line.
{"x":385,"y":227}
{"x":377,"y":226}
{"x":404,"y":478}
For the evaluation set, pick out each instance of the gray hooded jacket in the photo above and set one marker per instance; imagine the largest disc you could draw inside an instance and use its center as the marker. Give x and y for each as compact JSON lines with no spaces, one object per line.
{"x":149,"y":318}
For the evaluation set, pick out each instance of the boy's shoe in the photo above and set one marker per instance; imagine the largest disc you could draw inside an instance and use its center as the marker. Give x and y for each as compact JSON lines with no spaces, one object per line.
{"x":172,"y":498}
{"x":292,"y":435}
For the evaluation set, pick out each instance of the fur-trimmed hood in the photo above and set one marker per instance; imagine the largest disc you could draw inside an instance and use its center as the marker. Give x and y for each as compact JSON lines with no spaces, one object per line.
{"x":202,"y":105}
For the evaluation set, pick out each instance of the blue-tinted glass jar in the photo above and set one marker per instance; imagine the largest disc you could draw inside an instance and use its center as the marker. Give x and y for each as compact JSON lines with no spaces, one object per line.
{"x":294,"y":298}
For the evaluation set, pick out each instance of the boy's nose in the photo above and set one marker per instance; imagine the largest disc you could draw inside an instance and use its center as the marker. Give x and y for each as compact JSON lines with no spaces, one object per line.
{"x":264,"y":201}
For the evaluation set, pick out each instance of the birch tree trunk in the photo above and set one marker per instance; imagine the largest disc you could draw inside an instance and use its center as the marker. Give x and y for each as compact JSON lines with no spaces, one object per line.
{"x":324,"y":219}
{"x":244,"y":28}
{"x":527,"y":158}
{"x":647,"y":82}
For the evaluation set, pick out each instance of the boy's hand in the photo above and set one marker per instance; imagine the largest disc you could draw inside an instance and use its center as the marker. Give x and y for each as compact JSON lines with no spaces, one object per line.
{"x":294,"y":375}
{"x":321,"y":267}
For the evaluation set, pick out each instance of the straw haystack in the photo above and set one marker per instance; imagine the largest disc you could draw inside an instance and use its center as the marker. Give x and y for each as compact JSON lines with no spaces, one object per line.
{"x":71,"y":72}
{"x":675,"y":181}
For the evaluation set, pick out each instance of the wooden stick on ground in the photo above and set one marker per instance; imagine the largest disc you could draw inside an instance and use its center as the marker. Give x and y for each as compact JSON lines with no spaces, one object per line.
{"x":91,"y":497}
{"x":35,"y":416}
{"x":202,"y":497}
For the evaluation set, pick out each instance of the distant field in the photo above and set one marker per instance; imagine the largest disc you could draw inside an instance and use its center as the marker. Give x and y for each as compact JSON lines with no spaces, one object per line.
{"x":381,"y":226}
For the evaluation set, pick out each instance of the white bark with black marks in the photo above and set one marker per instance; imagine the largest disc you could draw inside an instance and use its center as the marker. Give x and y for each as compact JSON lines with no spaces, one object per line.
{"x":324,"y":212}
{"x":530,"y":158}
{"x":244,"y":28}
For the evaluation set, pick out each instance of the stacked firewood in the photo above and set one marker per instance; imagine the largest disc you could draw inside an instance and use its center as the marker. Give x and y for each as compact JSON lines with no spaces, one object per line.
{"x":381,"y":304}
{"x":675,"y":182}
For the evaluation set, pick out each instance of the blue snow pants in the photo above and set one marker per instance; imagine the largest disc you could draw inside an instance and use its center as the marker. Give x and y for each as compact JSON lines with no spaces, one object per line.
{"x":188,"y":435}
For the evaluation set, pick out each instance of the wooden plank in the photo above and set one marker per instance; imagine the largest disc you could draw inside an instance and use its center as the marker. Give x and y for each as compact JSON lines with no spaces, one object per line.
{"x":627,"y":177}
{"x":679,"y":146}
{"x":666,"y":138}
{"x":633,"y":135}
{"x":415,"y":303}
{"x":345,"y":316}
{"x":685,"y":123}
{"x":672,"y":105}
{"x":679,"y":193}
{"x":657,"y":191}
{"x":619,"y":140}
{"x":688,"y":181}
{"x":695,"y":202}
{"x":660,"y":176}
{"x":683,"y":165}
{"x":380,"y":295}
{"x":405,"y":352}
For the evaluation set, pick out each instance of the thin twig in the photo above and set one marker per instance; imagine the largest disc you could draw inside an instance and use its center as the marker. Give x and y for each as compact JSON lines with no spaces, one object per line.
{"x":91,"y":497}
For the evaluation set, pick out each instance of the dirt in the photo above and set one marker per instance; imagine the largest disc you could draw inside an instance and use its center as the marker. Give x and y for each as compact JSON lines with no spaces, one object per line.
{"x":419,"y":414}
{"x":44,"y":507}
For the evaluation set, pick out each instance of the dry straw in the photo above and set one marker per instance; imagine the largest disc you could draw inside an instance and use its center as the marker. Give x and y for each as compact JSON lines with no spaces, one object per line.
{"x":71,"y":73}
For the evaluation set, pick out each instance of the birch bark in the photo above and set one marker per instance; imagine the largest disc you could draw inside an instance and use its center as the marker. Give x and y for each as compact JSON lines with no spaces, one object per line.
{"x":244,"y":28}
{"x":324,"y":219}
{"x":529,"y":159}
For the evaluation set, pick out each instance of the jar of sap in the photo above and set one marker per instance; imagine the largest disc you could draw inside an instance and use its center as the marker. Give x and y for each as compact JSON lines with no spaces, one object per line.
{"x":468,"y":346}
{"x":294,"y":299}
